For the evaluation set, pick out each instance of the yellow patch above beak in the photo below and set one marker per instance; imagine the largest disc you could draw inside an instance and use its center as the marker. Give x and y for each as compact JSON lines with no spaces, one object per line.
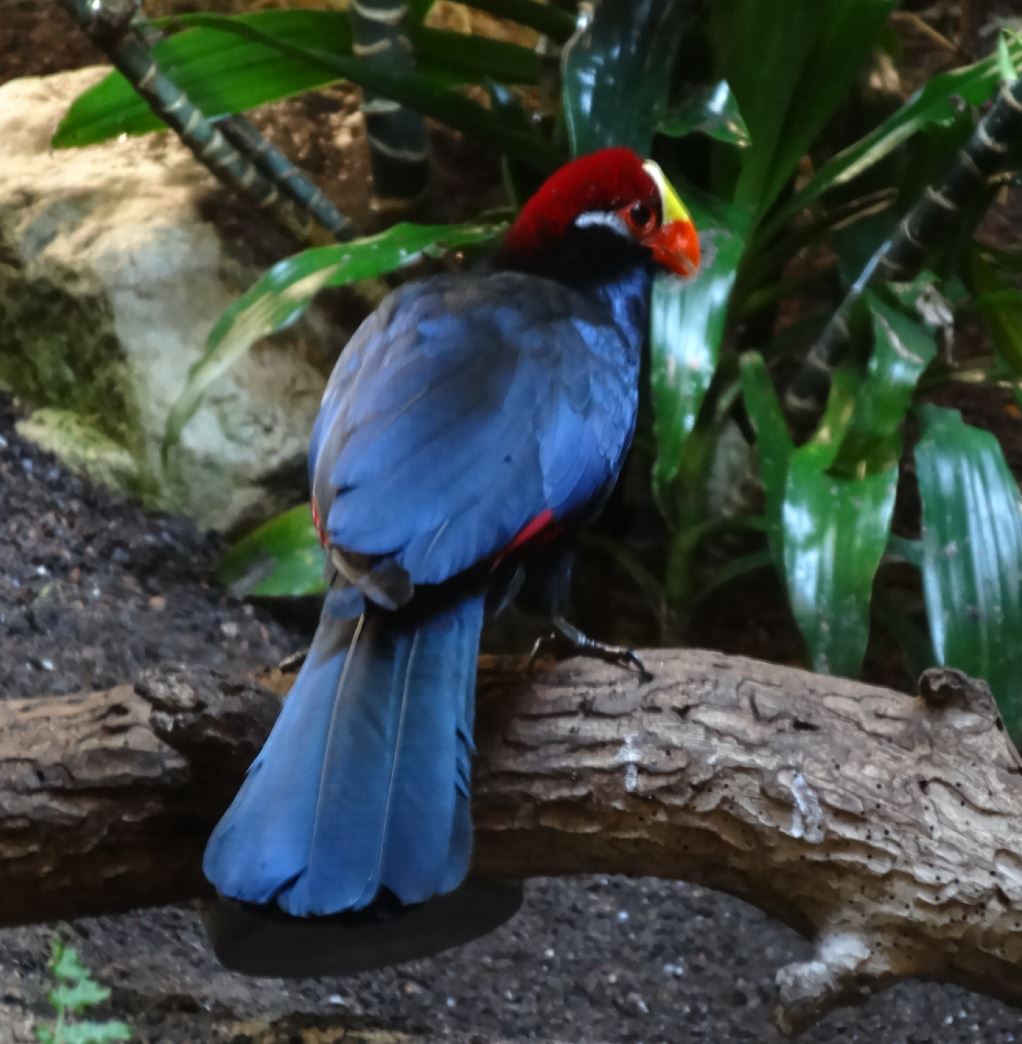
{"x":675,"y":243}
{"x":670,"y":201}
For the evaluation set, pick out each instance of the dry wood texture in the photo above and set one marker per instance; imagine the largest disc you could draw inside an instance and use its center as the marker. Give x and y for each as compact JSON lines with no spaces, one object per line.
{"x":885,"y":827}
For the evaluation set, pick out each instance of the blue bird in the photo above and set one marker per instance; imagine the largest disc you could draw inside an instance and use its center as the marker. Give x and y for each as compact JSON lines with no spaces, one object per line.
{"x":473,"y":425}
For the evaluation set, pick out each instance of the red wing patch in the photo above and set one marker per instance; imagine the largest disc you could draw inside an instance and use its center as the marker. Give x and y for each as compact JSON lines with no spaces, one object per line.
{"x":539,"y":530}
{"x":531,"y":530}
{"x":316,"y":522}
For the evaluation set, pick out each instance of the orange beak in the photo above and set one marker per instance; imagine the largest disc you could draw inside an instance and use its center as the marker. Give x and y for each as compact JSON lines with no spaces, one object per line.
{"x":676,"y":246}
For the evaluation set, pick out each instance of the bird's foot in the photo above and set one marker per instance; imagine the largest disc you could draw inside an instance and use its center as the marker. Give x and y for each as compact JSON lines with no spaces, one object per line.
{"x":567,"y":640}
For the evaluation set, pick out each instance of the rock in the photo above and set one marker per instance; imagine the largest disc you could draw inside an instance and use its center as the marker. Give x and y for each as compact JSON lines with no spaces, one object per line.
{"x":81,"y":445}
{"x":110,"y":280}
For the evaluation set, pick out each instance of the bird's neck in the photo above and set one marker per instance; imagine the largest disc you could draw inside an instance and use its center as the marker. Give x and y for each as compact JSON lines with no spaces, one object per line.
{"x":599,"y":264}
{"x":625,"y":294}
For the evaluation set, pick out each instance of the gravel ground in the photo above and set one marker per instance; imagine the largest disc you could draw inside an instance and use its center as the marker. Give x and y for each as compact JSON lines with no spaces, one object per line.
{"x":93,"y":590}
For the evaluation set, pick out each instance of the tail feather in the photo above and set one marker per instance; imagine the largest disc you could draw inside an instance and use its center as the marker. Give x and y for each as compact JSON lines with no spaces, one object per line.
{"x":461,"y":833}
{"x":363,"y":783}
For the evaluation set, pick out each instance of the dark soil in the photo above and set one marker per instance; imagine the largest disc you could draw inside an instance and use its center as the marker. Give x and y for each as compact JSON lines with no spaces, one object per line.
{"x":37,"y":39}
{"x":92,"y":589}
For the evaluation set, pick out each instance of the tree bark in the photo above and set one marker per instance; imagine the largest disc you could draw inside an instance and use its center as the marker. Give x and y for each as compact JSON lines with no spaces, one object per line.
{"x":885,"y":827}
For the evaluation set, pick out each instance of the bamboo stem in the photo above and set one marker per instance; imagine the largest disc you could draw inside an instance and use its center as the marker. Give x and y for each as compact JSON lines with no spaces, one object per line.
{"x":902,"y":257}
{"x":398,"y":146}
{"x":232,"y":150}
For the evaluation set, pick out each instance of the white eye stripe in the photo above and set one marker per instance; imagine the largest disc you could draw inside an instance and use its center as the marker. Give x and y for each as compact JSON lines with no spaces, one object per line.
{"x":607,"y":220}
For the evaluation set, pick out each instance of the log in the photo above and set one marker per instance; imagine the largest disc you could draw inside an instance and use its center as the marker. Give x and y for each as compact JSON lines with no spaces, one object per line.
{"x":884,"y":827}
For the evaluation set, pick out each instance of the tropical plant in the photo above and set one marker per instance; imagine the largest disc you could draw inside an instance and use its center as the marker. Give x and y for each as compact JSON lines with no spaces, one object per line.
{"x":74,"y":992}
{"x":839,"y":237}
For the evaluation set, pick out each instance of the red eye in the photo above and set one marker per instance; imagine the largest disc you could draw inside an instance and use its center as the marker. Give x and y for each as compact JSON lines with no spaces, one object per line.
{"x":641,"y":218}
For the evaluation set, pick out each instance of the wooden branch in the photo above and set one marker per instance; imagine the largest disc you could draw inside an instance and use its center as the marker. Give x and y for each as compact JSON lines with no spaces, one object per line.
{"x":884,"y":827}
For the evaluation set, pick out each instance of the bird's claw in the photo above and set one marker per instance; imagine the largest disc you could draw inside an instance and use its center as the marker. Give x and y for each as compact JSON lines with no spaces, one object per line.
{"x":547,"y":643}
{"x":567,"y":640}
{"x":630,"y":658}
{"x":619,"y":654}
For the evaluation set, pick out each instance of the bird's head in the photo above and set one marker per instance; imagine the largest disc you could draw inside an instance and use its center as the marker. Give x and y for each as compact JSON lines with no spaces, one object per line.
{"x":608,"y":197}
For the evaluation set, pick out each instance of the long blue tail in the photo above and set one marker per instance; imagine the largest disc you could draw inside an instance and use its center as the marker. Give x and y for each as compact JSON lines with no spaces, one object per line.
{"x":363,"y":783}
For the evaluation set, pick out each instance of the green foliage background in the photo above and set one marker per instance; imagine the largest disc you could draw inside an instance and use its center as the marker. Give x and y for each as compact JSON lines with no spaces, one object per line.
{"x":757,"y":112}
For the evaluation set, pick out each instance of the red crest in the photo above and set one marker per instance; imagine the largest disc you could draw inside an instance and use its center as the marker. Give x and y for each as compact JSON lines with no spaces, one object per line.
{"x":603,"y":180}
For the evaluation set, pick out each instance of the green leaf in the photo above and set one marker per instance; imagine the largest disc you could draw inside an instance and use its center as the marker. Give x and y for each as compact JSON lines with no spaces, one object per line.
{"x":545,"y":18}
{"x":80,"y":995}
{"x":75,"y":991}
{"x":617,"y":72}
{"x":687,"y":322}
{"x":66,"y":965}
{"x":95,"y":1033}
{"x":935,"y":102}
{"x":417,"y":10}
{"x":474,"y":59}
{"x":972,"y":555}
{"x":849,"y":30}
{"x":835,"y":533}
{"x":221,"y":72}
{"x":902,"y":349}
{"x":230,"y":64}
{"x":789,"y":65}
{"x":286,"y":290}
{"x":1001,"y":307}
{"x":839,"y":415}
{"x":428,"y":94}
{"x":774,"y":446}
{"x":835,"y":529}
{"x":1006,"y":68}
{"x":281,"y":558}
{"x":712,"y":111}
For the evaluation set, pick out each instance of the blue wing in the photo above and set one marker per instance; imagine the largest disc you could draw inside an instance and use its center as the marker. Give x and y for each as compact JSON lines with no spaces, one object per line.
{"x":464,"y":408}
